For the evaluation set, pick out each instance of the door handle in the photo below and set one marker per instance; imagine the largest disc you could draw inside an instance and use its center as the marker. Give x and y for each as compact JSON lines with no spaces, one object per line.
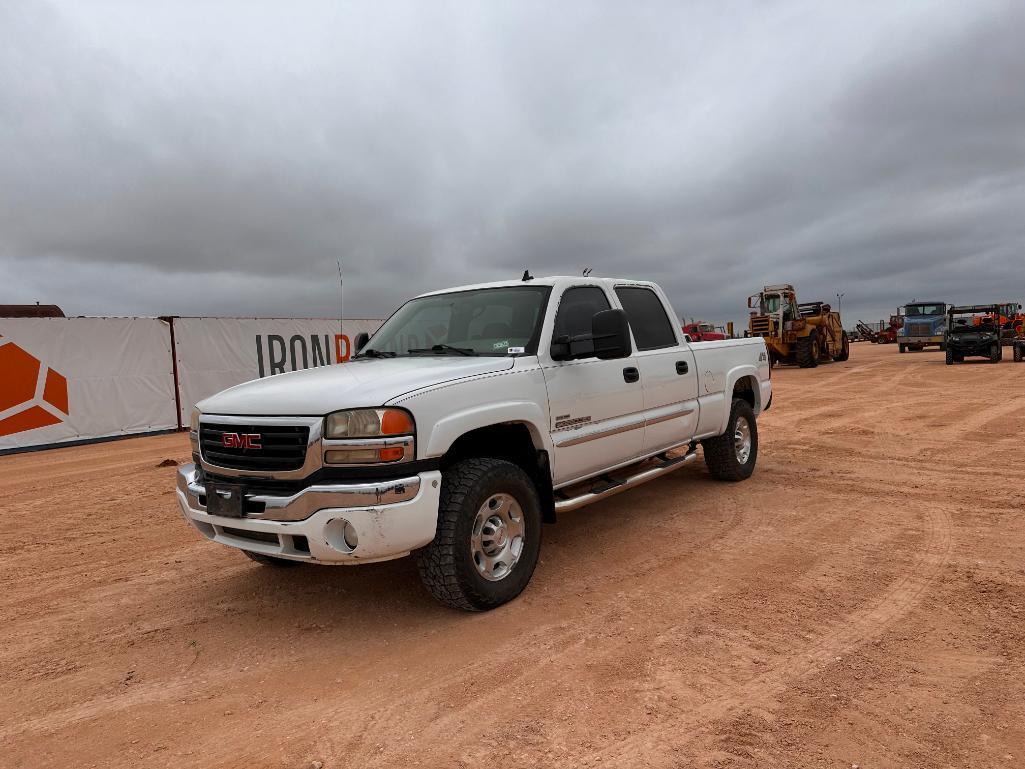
{"x":682,"y":367}
{"x":631,"y":374}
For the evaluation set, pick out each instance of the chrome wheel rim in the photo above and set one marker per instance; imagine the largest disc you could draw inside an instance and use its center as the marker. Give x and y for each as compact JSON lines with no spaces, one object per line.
{"x":496,"y":541}
{"x":742,"y":440}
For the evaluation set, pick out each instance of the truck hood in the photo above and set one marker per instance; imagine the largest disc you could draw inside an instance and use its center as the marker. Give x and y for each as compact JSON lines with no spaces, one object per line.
{"x":366,"y":382}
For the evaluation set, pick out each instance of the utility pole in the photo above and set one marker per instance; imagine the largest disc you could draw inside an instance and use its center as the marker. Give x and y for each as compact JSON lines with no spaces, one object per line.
{"x":839,"y":301}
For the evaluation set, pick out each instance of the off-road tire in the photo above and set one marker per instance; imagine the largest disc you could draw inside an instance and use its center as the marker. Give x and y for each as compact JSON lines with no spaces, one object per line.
{"x":950,"y":357}
{"x":845,"y":349}
{"x":806,"y":351}
{"x":446,"y":565}
{"x":1017,"y":352}
{"x":270,"y":560}
{"x":995,"y":353}
{"x":721,"y":452}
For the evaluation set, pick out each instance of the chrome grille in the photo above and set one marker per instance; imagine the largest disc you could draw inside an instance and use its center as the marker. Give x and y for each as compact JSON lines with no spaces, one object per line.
{"x":282,"y":447}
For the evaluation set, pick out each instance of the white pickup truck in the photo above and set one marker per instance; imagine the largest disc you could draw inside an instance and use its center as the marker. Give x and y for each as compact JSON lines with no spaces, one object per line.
{"x":469,"y":418}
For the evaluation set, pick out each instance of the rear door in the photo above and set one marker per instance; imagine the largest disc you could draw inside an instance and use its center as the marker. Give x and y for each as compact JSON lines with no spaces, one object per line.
{"x":667,"y":368}
{"x":596,"y":405}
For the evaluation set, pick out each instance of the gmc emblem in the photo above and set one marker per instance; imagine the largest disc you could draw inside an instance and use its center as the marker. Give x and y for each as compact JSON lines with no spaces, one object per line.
{"x":241,"y":441}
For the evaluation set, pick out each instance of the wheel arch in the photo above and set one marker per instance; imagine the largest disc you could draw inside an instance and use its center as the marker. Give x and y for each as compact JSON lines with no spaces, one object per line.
{"x":517,"y":441}
{"x":742,"y":382}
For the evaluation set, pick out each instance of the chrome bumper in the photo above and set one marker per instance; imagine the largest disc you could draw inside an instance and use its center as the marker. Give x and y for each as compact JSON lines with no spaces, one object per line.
{"x":390,"y":519}
{"x":304,"y":503}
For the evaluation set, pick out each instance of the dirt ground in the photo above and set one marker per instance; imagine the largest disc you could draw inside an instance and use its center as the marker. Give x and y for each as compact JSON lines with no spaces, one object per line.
{"x":859,"y":601}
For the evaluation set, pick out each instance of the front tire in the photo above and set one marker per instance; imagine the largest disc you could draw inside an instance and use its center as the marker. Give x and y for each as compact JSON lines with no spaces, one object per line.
{"x":1018,"y":353}
{"x":902,"y":347}
{"x":807,"y":352}
{"x":732,"y":455}
{"x":995,"y":353}
{"x":950,"y":357}
{"x":489,"y":536}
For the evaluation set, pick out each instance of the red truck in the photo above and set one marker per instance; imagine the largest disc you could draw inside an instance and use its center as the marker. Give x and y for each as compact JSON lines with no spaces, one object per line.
{"x":703,"y":332}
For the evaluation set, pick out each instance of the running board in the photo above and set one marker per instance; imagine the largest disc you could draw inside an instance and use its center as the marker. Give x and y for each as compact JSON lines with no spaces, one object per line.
{"x":605,"y":491}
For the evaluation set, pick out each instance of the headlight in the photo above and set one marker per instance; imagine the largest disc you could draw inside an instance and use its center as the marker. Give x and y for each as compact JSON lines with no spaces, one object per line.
{"x":194,"y":430}
{"x":368,"y":423}
{"x":369,"y":436}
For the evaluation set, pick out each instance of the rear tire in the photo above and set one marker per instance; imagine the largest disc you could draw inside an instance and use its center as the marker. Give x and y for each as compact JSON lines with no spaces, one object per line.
{"x":845,"y":349}
{"x":950,"y":357}
{"x":270,"y":560}
{"x":995,"y":353}
{"x":489,"y":536}
{"x":1017,"y":353}
{"x":732,"y":455}
{"x":807,"y":350}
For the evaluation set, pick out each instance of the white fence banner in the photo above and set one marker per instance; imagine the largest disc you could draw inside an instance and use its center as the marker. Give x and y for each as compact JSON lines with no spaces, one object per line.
{"x":215,"y":353}
{"x":68,"y":379}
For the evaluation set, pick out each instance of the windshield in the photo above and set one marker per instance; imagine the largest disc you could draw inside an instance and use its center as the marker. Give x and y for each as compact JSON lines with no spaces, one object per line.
{"x":925,"y":309}
{"x":964,"y":324}
{"x":487,"y":321}
{"x":770,"y":303}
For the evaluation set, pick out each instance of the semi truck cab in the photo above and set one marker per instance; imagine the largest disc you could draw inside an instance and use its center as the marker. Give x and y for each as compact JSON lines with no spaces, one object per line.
{"x":924,"y":325}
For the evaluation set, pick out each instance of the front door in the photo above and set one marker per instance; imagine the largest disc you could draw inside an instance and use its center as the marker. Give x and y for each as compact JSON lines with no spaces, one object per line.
{"x":596,"y":405}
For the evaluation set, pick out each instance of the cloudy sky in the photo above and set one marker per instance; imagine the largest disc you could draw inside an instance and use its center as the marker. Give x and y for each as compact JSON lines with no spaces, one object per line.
{"x":218,"y":158}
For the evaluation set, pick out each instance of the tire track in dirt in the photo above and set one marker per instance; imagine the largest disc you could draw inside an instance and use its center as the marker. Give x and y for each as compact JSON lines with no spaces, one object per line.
{"x":562,"y":634}
{"x":840,"y":637}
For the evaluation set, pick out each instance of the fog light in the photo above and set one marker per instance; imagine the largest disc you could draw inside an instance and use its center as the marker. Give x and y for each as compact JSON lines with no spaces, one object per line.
{"x":350,"y":536}
{"x":341,"y":535}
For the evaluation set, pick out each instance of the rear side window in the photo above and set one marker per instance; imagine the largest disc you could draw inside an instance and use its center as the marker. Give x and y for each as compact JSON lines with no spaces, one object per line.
{"x":576,"y":309}
{"x":647,"y":317}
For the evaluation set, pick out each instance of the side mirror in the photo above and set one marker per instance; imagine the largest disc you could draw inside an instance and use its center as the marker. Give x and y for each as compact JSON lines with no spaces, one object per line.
{"x":566,"y":347}
{"x":610,"y":332}
{"x":687,"y":339}
{"x":751,"y":303}
{"x":360,"y":341}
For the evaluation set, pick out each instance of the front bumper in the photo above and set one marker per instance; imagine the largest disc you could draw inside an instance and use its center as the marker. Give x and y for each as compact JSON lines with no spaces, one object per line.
{"x":936,"y":339}
{"x":391,"y":518}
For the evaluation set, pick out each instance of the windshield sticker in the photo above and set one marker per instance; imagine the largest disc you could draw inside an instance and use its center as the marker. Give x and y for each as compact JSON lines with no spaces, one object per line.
{"x":500,"y":345}
{"x":516,"y":350}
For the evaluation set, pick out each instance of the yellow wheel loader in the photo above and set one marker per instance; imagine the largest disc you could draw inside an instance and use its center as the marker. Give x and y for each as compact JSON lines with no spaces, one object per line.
{"x":805,"y":334}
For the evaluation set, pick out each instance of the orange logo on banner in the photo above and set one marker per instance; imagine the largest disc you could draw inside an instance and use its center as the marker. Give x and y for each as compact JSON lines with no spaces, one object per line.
{"x":31,"y":395}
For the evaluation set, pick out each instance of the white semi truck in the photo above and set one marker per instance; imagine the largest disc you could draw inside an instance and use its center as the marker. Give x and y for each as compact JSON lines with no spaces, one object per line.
{"x":470,"y":418}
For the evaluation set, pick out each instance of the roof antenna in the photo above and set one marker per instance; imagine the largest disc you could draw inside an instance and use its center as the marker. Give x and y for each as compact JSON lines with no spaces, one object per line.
{"x":587,"y":271}
{"x":341,"y":299}
{"x":526,"y":276}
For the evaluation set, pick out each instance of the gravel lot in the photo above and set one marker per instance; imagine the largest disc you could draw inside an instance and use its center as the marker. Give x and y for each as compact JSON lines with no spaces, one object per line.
{"x":859,"y":601}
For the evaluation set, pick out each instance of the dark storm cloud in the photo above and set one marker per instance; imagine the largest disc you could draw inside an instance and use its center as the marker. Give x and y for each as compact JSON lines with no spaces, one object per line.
{"x":181,"y":159}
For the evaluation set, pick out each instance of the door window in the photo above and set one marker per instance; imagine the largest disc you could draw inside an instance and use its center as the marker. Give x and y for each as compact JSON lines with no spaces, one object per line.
{"x":576,"y":310}
{"x":647,"y":317}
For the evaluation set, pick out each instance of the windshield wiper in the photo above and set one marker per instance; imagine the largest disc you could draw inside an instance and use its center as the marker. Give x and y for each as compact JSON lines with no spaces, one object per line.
{"x":376,"y":354}
{"x":444,"y":348}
